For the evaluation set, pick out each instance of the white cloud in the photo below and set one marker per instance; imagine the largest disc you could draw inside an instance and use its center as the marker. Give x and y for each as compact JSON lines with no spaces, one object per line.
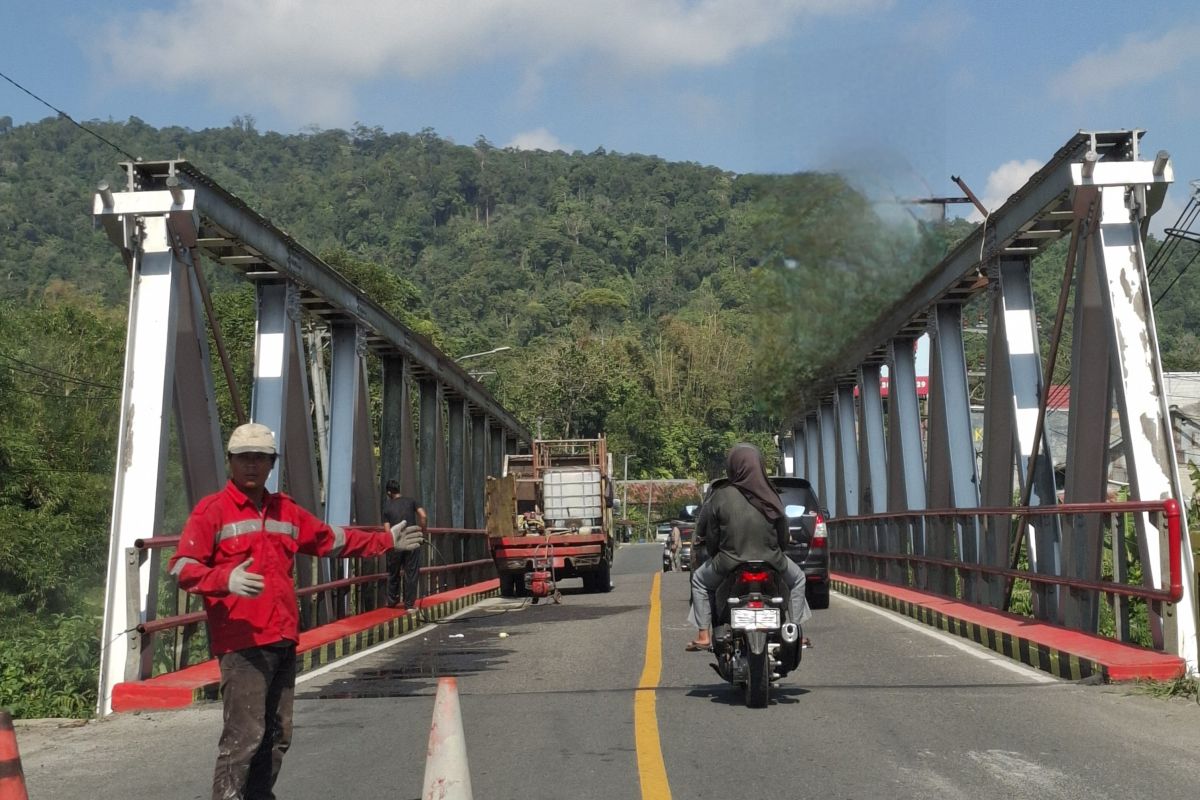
{"x":1002,"y":182}
{"x":273,"y":51}
{"x":538,"y":139}
{"x":937,"y":26}
{"x":1138,"y":61}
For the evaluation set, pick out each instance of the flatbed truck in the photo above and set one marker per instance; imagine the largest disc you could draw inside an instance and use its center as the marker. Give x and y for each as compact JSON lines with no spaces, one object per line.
{"x":549,"y":517}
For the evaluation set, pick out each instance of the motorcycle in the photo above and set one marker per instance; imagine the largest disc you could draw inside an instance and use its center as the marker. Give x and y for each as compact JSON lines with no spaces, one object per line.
{"x":753,"y":640}
{"x":668,"y":559}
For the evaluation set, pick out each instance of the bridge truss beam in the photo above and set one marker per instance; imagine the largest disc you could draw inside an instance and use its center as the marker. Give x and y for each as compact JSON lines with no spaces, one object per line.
{"x":1097,"y":191}
{"x":314,"y":337}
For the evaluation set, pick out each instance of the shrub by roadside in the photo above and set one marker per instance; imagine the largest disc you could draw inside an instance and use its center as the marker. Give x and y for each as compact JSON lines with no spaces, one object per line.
{"x":49,"y":669}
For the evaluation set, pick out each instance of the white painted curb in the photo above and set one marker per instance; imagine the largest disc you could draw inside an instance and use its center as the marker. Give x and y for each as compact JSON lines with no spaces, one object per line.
{"x":446,"y":774}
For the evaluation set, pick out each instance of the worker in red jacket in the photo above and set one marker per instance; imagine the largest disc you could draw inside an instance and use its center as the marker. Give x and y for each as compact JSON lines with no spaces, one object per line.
{"x":238,"y":552}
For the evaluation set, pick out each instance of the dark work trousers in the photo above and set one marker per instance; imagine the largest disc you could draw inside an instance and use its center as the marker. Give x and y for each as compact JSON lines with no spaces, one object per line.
{"x":406,"y":564}
{"x":258,"y":685}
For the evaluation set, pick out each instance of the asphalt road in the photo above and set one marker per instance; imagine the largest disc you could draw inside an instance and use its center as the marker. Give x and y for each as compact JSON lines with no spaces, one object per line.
{"x":880,"y":708}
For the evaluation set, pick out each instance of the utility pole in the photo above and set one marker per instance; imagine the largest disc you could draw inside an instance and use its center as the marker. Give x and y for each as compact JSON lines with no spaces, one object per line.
{"x":649,"y":505}
{"x":625,"y":489}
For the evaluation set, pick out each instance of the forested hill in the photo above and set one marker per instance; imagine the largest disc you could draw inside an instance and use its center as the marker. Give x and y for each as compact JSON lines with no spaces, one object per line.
{"x":640,"y":297}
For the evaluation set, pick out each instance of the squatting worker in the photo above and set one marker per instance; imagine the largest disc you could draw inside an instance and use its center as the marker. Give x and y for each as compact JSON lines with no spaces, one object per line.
{"x":237,"y":551}
{"x":742,"y":520}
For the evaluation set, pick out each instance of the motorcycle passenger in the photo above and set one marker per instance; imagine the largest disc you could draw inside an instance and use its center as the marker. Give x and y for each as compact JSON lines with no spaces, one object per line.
{"x":742,"y":520}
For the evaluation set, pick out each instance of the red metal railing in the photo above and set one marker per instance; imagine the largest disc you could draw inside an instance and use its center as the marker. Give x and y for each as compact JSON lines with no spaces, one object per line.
{"x":459,"y":557}
{"x":902,"y":535}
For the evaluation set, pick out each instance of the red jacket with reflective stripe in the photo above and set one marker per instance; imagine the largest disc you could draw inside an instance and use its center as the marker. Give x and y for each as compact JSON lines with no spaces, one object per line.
{"x":224,"y":530}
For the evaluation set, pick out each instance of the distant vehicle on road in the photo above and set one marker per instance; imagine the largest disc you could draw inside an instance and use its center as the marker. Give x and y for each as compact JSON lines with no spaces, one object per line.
{"x":809,"y":545}
{"x":550,"y":517}
{"x":685,"y":546}
{"x":662,"y":533}
{"x":686,"y":529}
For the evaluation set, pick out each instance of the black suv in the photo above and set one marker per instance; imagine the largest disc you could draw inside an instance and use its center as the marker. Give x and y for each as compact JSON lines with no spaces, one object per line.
{"x":809,"y":547}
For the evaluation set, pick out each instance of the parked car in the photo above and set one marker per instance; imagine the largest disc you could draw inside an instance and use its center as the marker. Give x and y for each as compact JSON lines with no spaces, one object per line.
{"x":662,"y":533}
{"x":809,"y":546}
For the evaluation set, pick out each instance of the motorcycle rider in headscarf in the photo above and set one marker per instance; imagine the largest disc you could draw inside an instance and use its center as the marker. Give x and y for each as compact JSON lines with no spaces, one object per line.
{"x":743,"y":520}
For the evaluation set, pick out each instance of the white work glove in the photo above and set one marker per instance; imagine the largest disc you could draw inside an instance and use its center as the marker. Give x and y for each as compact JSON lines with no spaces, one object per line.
{"x":406,"y":537}
{"x":243,"y":582}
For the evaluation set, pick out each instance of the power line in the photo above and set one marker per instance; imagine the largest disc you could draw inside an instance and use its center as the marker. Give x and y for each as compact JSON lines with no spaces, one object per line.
{"x":69,"y":119}
{"x":34,"y":470}
{"x":64,"y":396}
{"x":1175,"y":236}
{"x":43,"y":372}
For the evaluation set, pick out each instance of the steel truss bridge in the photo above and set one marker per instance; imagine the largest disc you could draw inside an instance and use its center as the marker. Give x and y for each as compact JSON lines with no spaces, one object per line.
{"x":910,"y":505}
{"x":168,"y":218}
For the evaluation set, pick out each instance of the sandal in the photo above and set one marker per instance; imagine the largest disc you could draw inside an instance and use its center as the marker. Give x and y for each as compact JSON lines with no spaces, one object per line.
{"x":805,"y":642}
{"x":695,"y":647}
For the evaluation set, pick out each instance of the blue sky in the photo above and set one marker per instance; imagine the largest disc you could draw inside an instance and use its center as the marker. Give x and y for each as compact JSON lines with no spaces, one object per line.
{"x":902,"y":93}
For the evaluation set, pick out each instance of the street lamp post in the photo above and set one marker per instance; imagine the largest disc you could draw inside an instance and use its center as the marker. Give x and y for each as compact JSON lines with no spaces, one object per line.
{"x":625,"y":491}
{"x":649,"y":505}
{"x":500,"y":349}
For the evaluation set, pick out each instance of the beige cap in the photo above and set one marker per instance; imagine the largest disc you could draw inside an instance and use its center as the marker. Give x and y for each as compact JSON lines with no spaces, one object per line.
{"x":253,"y":437}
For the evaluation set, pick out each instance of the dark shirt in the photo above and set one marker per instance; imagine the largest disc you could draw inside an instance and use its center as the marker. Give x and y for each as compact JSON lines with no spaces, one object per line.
{"x":400,"y":509}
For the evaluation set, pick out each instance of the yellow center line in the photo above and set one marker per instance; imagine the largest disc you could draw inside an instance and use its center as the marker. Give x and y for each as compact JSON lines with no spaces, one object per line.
{"x":652,"y":771}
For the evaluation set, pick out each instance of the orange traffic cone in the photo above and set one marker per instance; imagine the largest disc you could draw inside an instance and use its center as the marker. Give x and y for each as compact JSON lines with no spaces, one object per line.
{"x":12,"y":777}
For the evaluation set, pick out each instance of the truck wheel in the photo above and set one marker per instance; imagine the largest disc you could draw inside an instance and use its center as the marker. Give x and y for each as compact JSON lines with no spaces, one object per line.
{"x":602,"y":578}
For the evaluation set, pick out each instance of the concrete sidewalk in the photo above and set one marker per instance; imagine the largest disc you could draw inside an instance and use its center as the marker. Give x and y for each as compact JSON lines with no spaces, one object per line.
{"x":317,"y":647}
{"x":1065,"y":653}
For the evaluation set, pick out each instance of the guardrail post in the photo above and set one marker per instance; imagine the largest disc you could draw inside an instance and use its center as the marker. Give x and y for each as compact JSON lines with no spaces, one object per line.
{"x":135,"y":663}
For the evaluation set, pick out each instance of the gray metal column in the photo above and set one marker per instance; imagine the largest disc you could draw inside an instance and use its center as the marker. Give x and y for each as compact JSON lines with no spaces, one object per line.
{"x":1089,"y":429}
{"x":496,"y":441}
{"x":1020,"y":358}
{"x":872,"y":454}
{"x":872,"y":449}
{"x":146,"y":399}
{"x":367,"y":505}
{"x":812,"y":453}
{"x":997,"y":481}
{"x":827,"y":477}
{"x":430,"y":436}
{"x":198,"y":421}
{"x":1119,"y":260}
{"x":393,"y":422}
{"x":478,"y":467}
{"x":953,"y":482}
{"x":798,"y":452}
{"x":847,"y":453}
{"x":441,"y":463}
{"x":343,"y":407}
{"x":457,"y":462}
{"x":298,"y":454}
{"x":298,"y":464}
{"x":271,"y":330}
{"x":906,"y":463}
{"x":280,"y":400}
